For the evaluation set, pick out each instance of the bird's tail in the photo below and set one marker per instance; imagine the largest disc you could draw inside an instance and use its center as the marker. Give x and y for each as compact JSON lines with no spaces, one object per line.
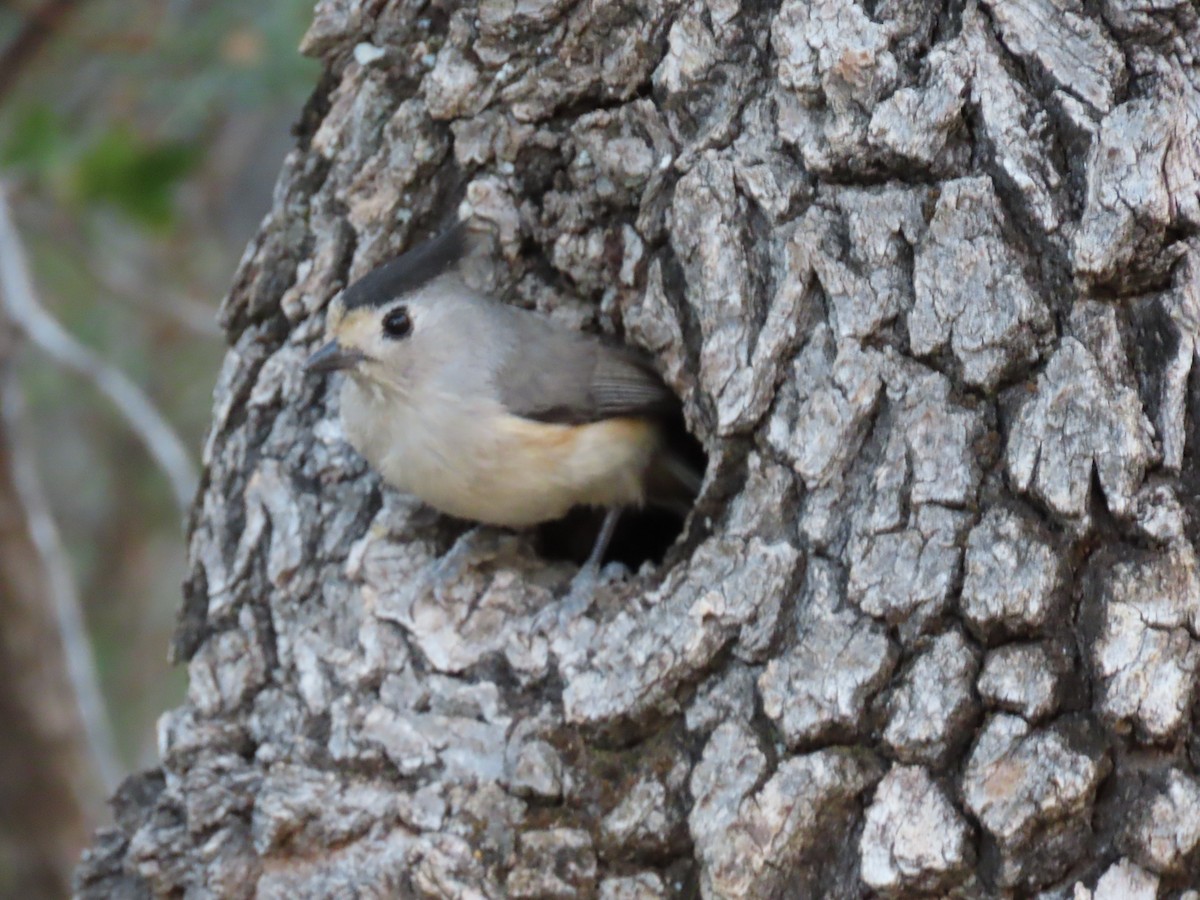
{"x":677,"y":472}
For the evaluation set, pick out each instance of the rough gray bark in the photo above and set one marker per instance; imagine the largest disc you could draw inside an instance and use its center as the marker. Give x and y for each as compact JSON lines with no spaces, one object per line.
{"x":927,"y":277}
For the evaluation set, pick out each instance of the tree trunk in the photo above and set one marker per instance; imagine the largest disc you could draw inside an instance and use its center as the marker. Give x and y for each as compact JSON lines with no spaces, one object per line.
{"x":50,"y":790}
{"x":927,"y":279}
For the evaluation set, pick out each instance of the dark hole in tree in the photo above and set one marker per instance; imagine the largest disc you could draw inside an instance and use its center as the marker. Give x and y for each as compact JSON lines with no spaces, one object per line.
{"x":642,"y":535}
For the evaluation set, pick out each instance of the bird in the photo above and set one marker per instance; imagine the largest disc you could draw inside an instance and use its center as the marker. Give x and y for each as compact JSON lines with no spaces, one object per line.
{"x":497,"y":414}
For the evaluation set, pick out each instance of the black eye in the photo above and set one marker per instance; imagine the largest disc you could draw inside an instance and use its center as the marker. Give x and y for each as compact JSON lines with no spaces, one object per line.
{"x":397,"y":323}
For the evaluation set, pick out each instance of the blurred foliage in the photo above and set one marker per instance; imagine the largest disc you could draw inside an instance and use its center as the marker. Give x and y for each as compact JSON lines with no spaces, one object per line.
{"x":172,"y":74}
{"x":143,"y":141}
{"x":118,"y":166}
{"x":135,"y":176}
{"x":35,"y":140}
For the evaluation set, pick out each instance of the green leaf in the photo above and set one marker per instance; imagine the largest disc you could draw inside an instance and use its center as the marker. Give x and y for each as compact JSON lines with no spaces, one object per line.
{"x":135,"y":176}
{"x":36,"y":140}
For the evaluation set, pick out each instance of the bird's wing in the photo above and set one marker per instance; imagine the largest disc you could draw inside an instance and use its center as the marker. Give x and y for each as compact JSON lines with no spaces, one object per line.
{"x":551,"y":374}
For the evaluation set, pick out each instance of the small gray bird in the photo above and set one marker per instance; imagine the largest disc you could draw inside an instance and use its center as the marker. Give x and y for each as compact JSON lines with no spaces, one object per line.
{"x":492,"y":413}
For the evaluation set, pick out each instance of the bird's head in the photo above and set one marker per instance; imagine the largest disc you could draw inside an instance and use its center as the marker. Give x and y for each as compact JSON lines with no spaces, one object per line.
{"x":396,"y":321}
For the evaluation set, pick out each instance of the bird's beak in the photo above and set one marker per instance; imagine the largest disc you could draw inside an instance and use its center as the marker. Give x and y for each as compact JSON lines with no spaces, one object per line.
{"x":332,"y":357}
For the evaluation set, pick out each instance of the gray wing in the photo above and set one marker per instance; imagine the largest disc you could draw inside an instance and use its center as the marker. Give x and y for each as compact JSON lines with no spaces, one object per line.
{"x":551,"y":374}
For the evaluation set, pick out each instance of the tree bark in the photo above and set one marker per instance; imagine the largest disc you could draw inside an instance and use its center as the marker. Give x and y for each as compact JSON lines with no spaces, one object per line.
{"x":927,"y":278}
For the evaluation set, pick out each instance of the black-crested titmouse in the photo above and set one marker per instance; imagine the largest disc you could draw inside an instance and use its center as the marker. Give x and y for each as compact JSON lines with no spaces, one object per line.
{"x":493,"y":413}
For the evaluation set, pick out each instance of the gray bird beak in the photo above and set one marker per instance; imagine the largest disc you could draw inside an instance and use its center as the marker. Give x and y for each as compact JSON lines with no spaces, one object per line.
{"x":332,"y":358}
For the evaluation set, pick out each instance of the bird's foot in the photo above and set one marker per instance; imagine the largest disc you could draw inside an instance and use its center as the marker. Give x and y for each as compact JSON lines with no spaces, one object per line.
{"x":579,"y":596}
{"x":471,"y":547}
{"x":583,"y":590}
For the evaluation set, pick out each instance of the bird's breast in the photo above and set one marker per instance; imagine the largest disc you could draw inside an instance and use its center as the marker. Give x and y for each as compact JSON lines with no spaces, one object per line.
{"x":479,"y":462}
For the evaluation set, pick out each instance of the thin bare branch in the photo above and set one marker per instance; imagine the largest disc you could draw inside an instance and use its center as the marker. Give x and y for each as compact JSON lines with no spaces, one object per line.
{"x":64,"y":597}
{"x":45,"y":332}
{"x":36,"y":32}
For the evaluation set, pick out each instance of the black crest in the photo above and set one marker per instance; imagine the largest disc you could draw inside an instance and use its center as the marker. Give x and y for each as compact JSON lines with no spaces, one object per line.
{"x":408,"y":272}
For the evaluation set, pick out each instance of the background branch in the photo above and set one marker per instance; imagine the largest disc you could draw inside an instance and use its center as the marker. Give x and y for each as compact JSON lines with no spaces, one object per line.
{"x":49,"y":760}
{"x":60,"y":587}
{"x":37,"y":31}
{"x":45,"y":332}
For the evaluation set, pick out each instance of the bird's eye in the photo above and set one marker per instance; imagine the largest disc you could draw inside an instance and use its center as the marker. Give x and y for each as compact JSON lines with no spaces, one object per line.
{"x":397,"y":323}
